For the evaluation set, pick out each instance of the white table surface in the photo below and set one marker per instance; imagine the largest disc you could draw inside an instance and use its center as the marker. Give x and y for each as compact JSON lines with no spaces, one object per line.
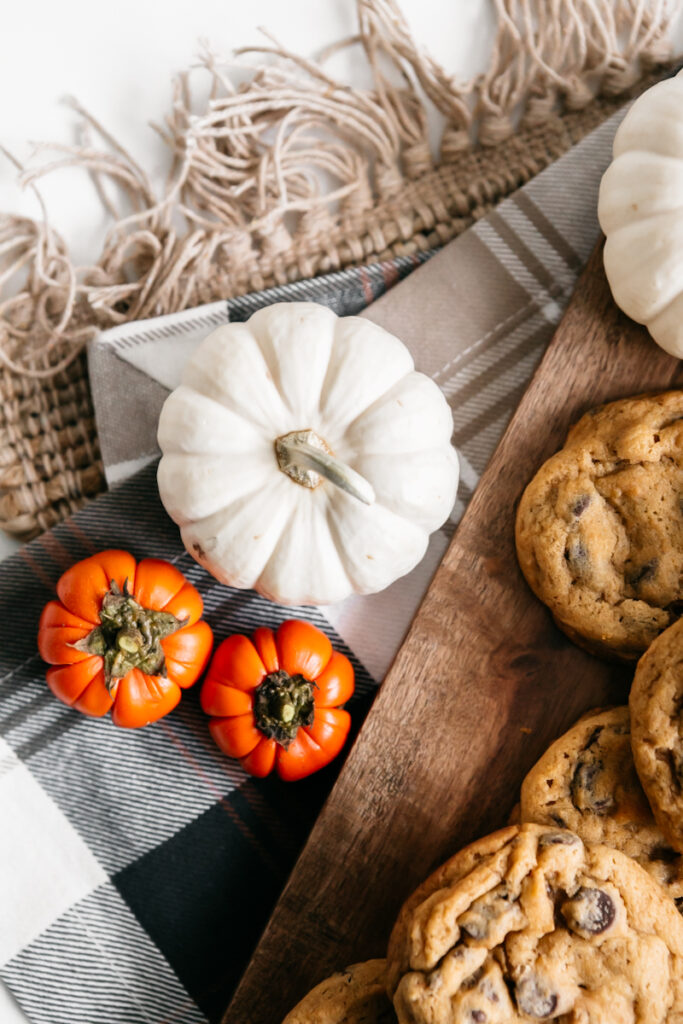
{"x":118,"y":61}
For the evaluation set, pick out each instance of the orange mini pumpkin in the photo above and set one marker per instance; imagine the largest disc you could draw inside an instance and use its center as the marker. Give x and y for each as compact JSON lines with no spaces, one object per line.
{"x":124,"y":636}
{"x":274,"y":700}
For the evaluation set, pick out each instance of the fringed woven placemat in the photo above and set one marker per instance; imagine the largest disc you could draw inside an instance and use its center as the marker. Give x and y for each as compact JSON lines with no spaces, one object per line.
{"x":289,"y":175}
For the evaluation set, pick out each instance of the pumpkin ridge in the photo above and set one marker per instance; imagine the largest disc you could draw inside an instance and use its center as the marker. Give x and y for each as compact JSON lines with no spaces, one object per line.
{"x":200,"y":380}
{"x":273,"y":359}
{"x":240,"y":505}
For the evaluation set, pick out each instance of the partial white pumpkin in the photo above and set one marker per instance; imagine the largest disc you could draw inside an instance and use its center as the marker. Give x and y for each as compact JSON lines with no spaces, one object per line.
{"x":285,"y":525}
{"x":640,"y":209}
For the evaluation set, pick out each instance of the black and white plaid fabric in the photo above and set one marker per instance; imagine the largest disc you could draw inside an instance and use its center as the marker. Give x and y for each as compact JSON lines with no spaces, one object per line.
{"x":138,"y":868}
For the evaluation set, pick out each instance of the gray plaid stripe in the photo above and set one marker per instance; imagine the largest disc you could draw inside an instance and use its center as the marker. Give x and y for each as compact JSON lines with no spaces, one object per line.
{"x":562,"y":252}
{"x":342,"y":291}
{"x":483,"y":381}
{"x":484,"y":386}
{"x":484,"y":393}
{"x":29,"y":714}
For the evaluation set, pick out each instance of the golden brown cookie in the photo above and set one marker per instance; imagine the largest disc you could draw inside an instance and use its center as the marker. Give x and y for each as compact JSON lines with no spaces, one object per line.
{"x":599,"y":529}
{"x":656,"y":705}
{"x":532,"y":924}
{"x":587,"y":782}
{"x":356,"y":995}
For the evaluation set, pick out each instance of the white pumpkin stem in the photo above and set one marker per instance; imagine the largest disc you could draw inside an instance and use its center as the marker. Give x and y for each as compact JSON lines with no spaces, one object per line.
{"x":304,"y":456}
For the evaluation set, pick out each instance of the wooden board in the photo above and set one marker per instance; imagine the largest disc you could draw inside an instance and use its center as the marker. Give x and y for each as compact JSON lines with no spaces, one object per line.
{"x":482,"y":684}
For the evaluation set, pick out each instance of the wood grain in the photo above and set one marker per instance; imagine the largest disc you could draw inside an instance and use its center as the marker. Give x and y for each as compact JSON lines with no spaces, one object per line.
{"x":480,"y":687}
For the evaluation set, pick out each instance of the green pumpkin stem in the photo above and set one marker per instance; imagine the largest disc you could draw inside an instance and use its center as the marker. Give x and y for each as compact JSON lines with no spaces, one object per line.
{"x":283,"y":703}
{"x":129,"y":636}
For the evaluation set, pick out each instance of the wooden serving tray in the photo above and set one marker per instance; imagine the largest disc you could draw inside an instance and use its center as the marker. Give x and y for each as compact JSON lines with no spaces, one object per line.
{"x":482,"y":684}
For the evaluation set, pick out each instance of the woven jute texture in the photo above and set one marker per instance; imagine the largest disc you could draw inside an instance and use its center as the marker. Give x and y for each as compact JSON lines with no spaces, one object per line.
{"x":50,"y":463}
{"x":49,"y":453}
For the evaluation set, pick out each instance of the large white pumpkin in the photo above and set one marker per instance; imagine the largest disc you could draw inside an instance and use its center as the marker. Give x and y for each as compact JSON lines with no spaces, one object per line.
{"x":641,"y":212}
{"x":305,"y":457}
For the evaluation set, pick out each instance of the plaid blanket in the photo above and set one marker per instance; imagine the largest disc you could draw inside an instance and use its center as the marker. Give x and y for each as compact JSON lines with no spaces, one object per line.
{"x":138,"y":868}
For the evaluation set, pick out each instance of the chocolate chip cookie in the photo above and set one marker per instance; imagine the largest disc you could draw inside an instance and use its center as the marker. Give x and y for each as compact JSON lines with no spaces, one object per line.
{"x":532,"y":924}
{"x":600,"y":527}
{"x":656,"y":704}
{"x":587,"y":782}
{"x":354,"y":996}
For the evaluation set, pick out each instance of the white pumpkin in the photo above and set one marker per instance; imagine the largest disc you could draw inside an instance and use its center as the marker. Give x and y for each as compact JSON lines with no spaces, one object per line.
{"x":641,"y":212}
{"x":305,"y":457}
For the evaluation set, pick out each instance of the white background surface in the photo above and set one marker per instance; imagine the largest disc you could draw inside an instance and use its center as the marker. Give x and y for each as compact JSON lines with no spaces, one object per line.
{"x":119,"y":66}
{"x":118,"y":60}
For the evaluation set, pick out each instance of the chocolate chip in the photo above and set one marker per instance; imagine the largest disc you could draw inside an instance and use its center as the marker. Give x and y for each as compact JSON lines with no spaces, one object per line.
{"x":583,"y":778}
{"x":493,"y":907}
{"x":577,"y":556}
{"x":473,"y":979}
{"x":475,"y":929}
{"x":479,"y":1016}
{"x":643,"y":573}
{"x":434,"y":981}
{"x":665,"y":854}
{"x":590,"y":788}
{"x":534,"y":999}
{"x":559,"y":821}
{"x":487,"y":989}
{"x":558,"y":838}
{"x":674,"y":764}
{"x":591,"y":911}
{"x":594,"y":737}
{"x":581,"y":504}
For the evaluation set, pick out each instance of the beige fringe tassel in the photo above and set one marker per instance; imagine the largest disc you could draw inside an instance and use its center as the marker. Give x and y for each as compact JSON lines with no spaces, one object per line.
{"x":280,"y":177}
